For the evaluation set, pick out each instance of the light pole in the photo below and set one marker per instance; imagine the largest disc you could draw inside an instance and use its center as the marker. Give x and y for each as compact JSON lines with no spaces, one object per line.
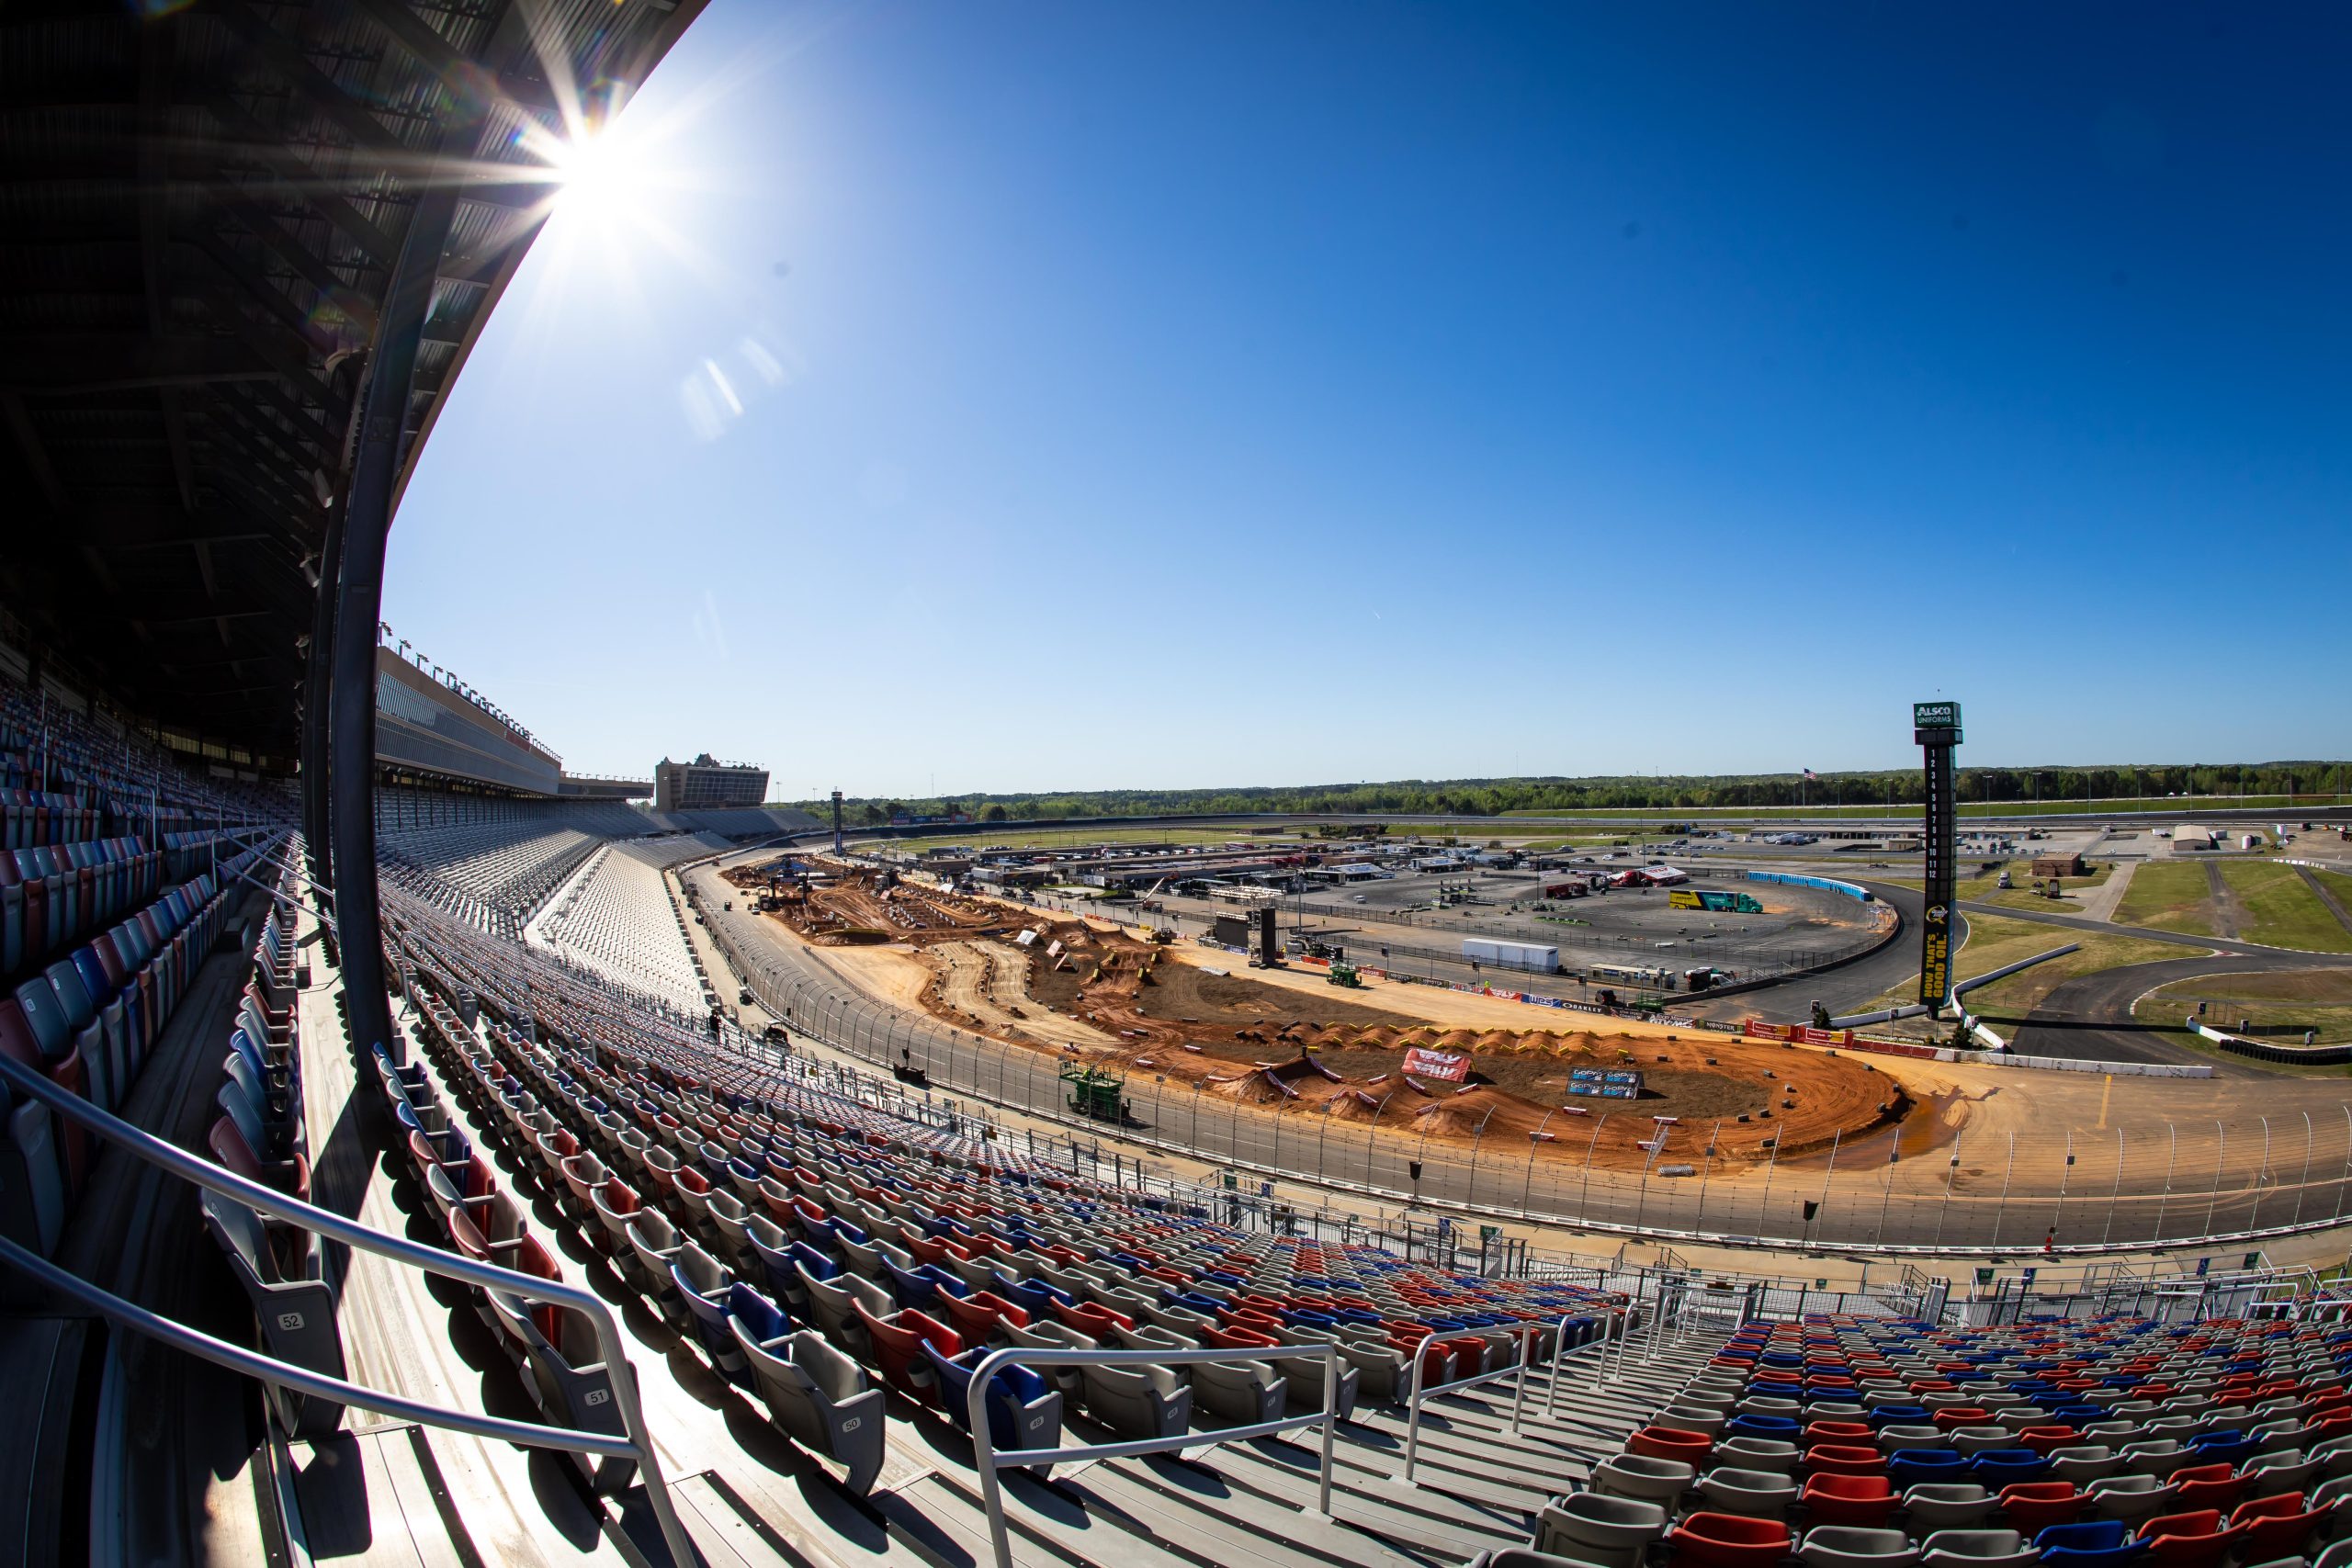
{"x":1584,"y":1197}
{"x":1536,"y":1142}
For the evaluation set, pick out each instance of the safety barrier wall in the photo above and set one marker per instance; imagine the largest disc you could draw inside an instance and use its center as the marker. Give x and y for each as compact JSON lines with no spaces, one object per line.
{"x":2264,"y":1050}
{"x":1827,"y":884}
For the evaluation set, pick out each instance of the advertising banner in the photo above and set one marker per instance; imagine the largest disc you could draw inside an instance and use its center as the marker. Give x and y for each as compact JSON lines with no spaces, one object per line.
{"x":1446,"y":1066}
{"x":1759,"y":1030}
{"x":1806,"y":1034}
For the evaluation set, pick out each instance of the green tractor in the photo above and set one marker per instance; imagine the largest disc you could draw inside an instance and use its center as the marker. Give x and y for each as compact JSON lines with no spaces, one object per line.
{"x":1344,"y":974}
{"x":1095,"y":1094}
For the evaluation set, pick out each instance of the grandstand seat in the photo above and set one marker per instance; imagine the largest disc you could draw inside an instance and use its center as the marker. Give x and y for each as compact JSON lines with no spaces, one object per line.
{"x":708,"y":1288}
{"x":816,"y":1395}
{"x":1243,"y":1392}
{"x":296,"y":1310}
{"x":1831,"y":1498}
{"x":2196,"y":1538}
{"x":1608,"y":1532}
{"x":1024,"y":1411}
{"x":1946,"y":1506}
{"x":2277,"y":1525}
{"x":2102,"y":1543}
{"x":1754,"y":1493}
{"x":1728,"y":1541}
{"x":1976,"y":1549}
{"x":2131,"y":1497}
{"x":1137,"y":1402}
{"x":1848,"y":1546}
{"x":571,"y":1384}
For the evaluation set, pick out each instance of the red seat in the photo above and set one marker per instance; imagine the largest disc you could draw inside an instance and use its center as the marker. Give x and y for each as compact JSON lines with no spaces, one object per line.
{"x":2275,"y":1525}
{"x":1848,"y":1500}
{"x":228,"y":1147}
{"x":1728,"y":1541}
{"x":2032,"y":1506}
{"x":898,"y":1342}
{"x":1659,"y":1442}
{"x":2208,"y":1486}
{"x":2042,"y":1439}
{"x":980,"y":1317}
{"x":1092,"y":1319}
{"x":1961,"y":1416}
{"x":1849,"y":1433}
{"x":1844,"y":1459}
{"x":2196,"y":1540}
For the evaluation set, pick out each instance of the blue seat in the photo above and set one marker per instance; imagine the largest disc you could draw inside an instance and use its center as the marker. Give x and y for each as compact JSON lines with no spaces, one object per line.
{"x":1901,"y":1415}
{"x":1997,"y":1468}
{"x":1773,"y":1428}
{"x":1923,"y":1467}
{"x":2103,"y":1543}
{"x":2229,"y":1447}
{"x":1024,"y":1410}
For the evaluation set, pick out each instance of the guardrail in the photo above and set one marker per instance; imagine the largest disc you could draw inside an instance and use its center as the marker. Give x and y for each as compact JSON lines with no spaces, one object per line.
{"x":1421,"y":1394}
{"x":636,"y":1445}
{"x":988,"y":1461}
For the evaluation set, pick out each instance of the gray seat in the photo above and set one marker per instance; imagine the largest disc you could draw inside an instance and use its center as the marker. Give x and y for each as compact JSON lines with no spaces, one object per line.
{"x":295,"y":1306}
{"x":821,"y":1399}
{"x":1659,"y":1481}
{"x":1137,"y":1402}
{"x":1305,"y":1376}
{"x":2285,"y":1470}
{"x":655,"y":1244}
{"x":1243,"y":1392}
{"x":1612,"y":1532}
{"x":1947,"y":1504}
{"x":1978,"y":1549}
{"x":2130,"y":1498}
{"x":833,"y":1303}
{"x":1758,"y":1453}
{"x":2085,"y":1464}
{"x":1852,"y":1546}
{"x":1679,"y":1417}
{"x":1755,"y":1494}
{"x":1046,"y":1335}
{"x":569,"y":1381}
{"x":1966,"y":1440}
{"x":2158,"y":1457}
{"x":1896,"y":1438}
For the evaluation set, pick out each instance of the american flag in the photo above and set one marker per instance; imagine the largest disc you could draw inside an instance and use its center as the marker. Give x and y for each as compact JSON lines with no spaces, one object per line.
{"x":1811,"y":775}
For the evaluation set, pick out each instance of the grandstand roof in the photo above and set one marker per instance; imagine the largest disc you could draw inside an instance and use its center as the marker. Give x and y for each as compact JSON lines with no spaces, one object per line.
{"x":199,"y":212}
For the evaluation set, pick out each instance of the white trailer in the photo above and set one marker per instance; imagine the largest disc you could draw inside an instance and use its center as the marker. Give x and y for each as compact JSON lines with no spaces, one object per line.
{"x":1512,"y":955}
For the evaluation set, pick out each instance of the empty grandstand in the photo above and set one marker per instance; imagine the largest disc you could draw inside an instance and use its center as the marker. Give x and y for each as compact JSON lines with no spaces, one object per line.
{"x":386,"y":1177}
{"x":617,"y":917}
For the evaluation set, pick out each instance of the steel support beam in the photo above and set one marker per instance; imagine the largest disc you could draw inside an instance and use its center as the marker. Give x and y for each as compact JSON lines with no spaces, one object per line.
{"x":366,"y":519}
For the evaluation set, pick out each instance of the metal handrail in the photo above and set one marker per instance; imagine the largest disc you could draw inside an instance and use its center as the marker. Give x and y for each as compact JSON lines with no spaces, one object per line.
{"x":202,"y":1173}
{"x":284,"y":1374}
{"x":290,"y":902}
{"x":1526,"y":1337}
{"x":986,"y":1458}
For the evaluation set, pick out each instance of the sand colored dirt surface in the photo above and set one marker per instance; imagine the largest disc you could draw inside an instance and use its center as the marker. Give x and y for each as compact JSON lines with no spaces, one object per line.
{"x":1290,"y":1042}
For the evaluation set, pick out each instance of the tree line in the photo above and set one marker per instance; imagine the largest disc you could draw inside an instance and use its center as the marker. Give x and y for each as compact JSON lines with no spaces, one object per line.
{"x":1496,"y":797}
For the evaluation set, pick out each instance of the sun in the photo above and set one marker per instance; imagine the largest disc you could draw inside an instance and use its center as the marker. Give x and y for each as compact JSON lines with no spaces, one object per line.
{"x":600,"y":177}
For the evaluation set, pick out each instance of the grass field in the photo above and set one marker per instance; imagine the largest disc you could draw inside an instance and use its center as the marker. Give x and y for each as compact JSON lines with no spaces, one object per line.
{"x":1993,"y":942}
{"x":1985,"y":887}
{"x":2282,"y":1005}
{"x":2283,"y":912}
{"x":1079,"y":837}
{"x":1967,"y":808}
{"x":2169,"y":895}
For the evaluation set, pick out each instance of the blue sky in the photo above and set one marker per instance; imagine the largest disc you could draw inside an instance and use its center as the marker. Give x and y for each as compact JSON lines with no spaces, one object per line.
{"x":1041,"y":395}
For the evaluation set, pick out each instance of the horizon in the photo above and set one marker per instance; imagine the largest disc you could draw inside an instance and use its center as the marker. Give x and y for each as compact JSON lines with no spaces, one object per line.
{"x":1500,"y":393}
